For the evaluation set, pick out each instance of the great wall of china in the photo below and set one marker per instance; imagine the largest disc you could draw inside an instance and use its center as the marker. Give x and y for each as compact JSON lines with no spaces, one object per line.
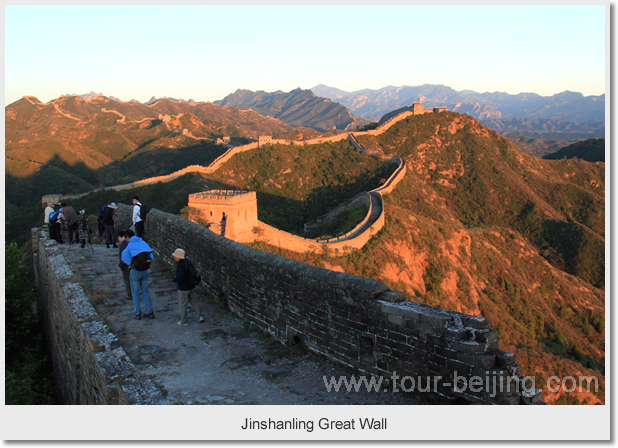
{"x":356,"y":322}
{"x":354,"y":239}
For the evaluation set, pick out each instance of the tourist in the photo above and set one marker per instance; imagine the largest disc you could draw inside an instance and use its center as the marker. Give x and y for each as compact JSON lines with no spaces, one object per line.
{"x":48,"y":211}
{"x":123,"y":238}
{"x":67,"y":214}
{"x":108,"y":223}
{"x":55,"y":230}
{"x":185,"y":287}
{"x":138,"y":255}
{"x":138,"y":222}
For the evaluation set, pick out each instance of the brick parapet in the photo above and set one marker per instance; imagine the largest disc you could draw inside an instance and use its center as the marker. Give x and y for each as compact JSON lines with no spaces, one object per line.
{"x":355,"y":321}
{"x":222,"y":197}
{"x":90,"y":366}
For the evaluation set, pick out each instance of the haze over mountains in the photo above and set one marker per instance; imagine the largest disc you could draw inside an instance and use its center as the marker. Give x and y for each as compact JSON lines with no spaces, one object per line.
{"x":296,"y":108}
{"x":567,"y":115}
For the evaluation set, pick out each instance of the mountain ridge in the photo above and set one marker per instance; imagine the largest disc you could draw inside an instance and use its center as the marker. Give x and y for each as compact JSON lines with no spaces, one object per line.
{"x":498,"y":110}
{"x":298,"y":107}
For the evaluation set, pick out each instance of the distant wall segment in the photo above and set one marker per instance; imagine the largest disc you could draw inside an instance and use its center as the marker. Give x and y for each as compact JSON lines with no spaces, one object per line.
{"x":231,"y":152}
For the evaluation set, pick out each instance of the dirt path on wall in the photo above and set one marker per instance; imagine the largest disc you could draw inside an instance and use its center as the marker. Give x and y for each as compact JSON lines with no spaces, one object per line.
{"x":215,"y":362}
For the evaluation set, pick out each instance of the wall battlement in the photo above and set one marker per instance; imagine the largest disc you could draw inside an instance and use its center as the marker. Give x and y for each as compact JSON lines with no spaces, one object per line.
{"x":221,"y":196}
{"x":354,"y":321}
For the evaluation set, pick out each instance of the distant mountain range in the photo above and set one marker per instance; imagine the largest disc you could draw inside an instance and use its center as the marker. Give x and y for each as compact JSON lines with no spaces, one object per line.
{"x":296,"y":108}
{"x":567,"y":115}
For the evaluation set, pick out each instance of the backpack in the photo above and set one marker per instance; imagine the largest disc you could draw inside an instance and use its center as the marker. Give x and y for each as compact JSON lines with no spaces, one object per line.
{"x":53,"y":216}
{"x":143,"y":211}
{"x":194,"y":278}
{"x":141,"y":261}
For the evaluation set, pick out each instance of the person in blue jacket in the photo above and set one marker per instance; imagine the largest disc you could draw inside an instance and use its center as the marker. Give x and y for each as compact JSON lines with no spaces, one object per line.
{"x":138,"y":255}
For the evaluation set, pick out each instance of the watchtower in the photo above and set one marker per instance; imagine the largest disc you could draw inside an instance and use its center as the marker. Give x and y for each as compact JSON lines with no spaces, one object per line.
{"x":264,"y":140}
{"x":232,"y":213}
{"x":418,"y":109}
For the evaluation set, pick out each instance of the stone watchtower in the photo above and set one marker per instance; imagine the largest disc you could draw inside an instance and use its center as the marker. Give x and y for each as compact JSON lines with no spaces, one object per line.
{"x":418,"y":109}
{"x":233,"y":213}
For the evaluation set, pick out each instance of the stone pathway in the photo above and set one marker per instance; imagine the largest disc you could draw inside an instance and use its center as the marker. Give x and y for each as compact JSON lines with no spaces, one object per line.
{"x":220,"y":361}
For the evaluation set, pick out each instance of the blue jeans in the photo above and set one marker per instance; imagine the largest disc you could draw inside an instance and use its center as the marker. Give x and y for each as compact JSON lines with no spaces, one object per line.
{"x":139,"y":280}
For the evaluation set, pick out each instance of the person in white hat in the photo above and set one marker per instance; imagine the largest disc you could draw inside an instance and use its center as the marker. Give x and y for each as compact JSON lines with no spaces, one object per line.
{"x":108,"y":223}
{"x":182,"y":279}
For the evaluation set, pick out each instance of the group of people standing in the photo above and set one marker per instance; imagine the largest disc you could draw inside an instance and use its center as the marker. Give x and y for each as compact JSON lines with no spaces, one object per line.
{"x":135,"y":258}
{"x":56,"y":217}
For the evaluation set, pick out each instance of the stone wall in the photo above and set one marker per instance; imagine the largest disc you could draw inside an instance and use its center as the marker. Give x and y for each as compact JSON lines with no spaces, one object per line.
{"x":351,"y":320}
{"x":216,"y":164}
{"x":358,"y":200}
{"x":90,"y":366}
{"x":343,"y":244}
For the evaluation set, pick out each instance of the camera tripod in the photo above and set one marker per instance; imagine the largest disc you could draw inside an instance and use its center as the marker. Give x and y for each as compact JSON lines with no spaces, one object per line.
{"x":83,"y":224}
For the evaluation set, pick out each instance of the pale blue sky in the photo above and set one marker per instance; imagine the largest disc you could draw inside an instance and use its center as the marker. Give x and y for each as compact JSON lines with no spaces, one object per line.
{"x":207,"y":52}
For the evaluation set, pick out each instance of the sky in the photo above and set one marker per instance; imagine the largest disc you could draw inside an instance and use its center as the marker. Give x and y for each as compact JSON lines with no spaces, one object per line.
{"x":207,"y":52}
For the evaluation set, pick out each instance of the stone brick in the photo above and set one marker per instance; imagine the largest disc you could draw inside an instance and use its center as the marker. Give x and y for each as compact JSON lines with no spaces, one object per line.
{"x":504,"y":359}
{"x":481,"y":361}
{"x":436,"y":319}
{"x":393,"y":296}
{"x":486,"y":336}
{"x":467,"y":347}
{"x":397,"y":320}
{"x":456,"y":333}
{"x":476,"y":322}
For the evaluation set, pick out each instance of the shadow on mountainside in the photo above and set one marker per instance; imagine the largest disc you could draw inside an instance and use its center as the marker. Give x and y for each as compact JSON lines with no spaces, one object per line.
{"x":23,"y":194}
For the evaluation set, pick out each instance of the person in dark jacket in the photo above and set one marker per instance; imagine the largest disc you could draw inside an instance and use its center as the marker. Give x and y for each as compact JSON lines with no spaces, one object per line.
{"x":67,"y":214}
{"x":55,"y":229}
{"x":184,"y":287}
{"x":108,"y":223}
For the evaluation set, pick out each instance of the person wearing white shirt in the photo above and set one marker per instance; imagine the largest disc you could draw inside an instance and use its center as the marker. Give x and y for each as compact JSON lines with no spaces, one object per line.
{"x":138,"y":222}
{"x":48,"y":210}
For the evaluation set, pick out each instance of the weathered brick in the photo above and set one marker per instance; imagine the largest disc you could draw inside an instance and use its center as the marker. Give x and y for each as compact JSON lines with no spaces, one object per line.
{"x":486,"y":336}
{"x":476,"y":322}
{"x":456,"y":333}
{"x":393,"y":296}
{"x":504,"y":359}
{"x":482,"y":361}
{"x":390,"y":309}
{"x":468,"y":347}
{"x":436,"y":319}
{"x":397,"y":320}
{"x":445,"y":352}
